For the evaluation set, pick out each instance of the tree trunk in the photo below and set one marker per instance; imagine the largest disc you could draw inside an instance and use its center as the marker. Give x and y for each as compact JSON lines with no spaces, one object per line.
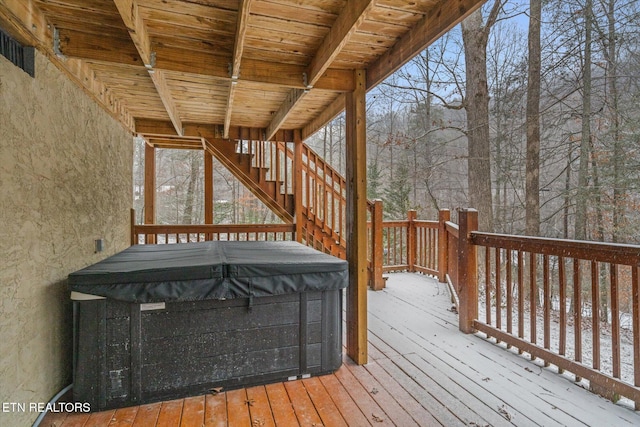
{"x":532,"y":187}
{"x":187,"y":213}
{"x":475,"y":36}
{"x":583,"y":178}
{"x":618,"y":152}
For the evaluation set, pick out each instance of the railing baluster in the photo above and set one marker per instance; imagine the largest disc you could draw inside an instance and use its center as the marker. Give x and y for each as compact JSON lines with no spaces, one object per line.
{"x":498,"y":286}
{"x":577,"y":312}
{"x":615,"y":321}
{"x":635,"y":296}
{"x":509,"y":289}
{"x":520,"y":296}
{"x":487,"y":284}
{"x":562,"y":345}
{"x":533,"y":296}
{"x":595,"y":314}
{"x":546,"y":292}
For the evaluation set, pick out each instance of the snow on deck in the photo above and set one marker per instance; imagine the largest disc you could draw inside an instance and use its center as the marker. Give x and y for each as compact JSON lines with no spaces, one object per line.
{"x":465,"y":379}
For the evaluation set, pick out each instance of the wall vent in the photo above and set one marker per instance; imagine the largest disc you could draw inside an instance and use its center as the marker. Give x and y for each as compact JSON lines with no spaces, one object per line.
{"x":21,"y":56}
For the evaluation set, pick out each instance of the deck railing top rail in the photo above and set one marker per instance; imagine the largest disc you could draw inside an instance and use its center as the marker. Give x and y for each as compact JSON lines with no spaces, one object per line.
{"x":597,"y":251}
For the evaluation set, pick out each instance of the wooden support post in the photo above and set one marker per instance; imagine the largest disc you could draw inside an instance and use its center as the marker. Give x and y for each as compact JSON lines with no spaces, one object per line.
{"x":467,"y":270}
{"x":356,"y":216}
{"x":444,"y":215}
{"x":297,"y":184}
{"x":132,"y":227}
{"x":377,"y":283}
{"x":208,"y":191}
{"x":149,"y":188}
{"x":411,"y":240}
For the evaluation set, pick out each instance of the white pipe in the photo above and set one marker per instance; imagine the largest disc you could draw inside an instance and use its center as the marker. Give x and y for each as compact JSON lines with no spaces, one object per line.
{"x":52,"y":401}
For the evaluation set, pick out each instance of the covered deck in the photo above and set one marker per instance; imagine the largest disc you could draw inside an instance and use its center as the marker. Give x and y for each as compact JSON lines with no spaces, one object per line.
{"x":421,"y":371}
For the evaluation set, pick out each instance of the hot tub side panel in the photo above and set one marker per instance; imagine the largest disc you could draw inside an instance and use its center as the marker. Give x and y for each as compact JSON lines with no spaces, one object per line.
{"x":128,"y":354}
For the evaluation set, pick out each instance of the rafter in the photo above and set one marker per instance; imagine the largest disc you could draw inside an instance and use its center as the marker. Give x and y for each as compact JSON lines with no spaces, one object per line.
{"x":348,"y":21}
{"x":241,"y":31}
{"x":132,"y":19}
{"x":328,"y":114}
{"x":159,"y":81}
{"x":293,"y":97}
{"x":75,"y":44}
{"x":434,"y":24}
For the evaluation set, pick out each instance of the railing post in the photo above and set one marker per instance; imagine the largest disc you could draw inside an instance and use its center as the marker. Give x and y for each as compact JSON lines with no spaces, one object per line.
{"x":377,"y":283}
{"x":132,"y":227}
{"x":411,"y":240}
{"x":149,"y":189}
{"x":444,"y":215}
{"x":208,"y":191}
{"x":467,"y":270}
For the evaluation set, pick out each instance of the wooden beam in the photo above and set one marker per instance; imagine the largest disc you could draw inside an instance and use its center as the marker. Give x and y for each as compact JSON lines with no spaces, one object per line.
{"x":160,"y":83}
{"x":351,"y":17}
{"x":241,"y":31}
{"x":76,"y":44}
{"x":293,"y":97}
{"x":26,"y":22}
{"x":173,"y":142}
{"x":329,"y":113}
{"x":90,"y":47}
{"x":238,"y":47}
{"x":164,"y":128}
{"x":227,"y":116}
{"x":137,"y":29}
{"x":356,"y":216}
{"x":130,"y":14}
{"x":347,"y":23}
{"x":434,"y":24}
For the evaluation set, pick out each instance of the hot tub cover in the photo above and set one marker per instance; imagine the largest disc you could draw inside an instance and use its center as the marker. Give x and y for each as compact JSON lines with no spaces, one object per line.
{"x":210,"y":270}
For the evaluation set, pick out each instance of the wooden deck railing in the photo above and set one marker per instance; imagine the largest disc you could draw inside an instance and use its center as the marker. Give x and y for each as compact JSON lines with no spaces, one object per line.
{"x":529,"y":280}
{"x":572,"y":304}
{"x":160,"y":234}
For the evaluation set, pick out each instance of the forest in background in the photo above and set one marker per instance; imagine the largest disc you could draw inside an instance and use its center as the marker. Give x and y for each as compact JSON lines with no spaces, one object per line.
{"x":536,"y":126}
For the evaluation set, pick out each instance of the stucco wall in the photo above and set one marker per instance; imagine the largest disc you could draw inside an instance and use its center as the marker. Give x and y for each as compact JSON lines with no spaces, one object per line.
{"x":65,"y":180}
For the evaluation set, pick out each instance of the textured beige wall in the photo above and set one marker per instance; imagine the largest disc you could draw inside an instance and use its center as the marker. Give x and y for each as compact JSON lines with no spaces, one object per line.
{"x":65,"y":180}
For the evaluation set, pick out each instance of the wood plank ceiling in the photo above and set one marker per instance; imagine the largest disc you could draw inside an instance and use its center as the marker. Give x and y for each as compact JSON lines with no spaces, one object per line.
{"x":266,"y":64}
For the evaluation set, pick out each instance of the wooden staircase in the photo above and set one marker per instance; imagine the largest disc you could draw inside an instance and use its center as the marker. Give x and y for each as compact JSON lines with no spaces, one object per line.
{"x":266,"y":169}
{"x":257,"y":165}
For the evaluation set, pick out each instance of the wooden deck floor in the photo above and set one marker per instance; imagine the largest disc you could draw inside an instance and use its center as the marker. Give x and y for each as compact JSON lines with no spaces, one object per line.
{"x":422,"y":371}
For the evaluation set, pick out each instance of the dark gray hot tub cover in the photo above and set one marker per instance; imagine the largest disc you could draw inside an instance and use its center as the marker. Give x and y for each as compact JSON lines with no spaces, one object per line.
{"x":210,"y":270}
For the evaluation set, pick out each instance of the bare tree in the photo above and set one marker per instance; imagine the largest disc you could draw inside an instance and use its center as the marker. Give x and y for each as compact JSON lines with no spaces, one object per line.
{"x":475,"y":35}
{"x":532,"y":208}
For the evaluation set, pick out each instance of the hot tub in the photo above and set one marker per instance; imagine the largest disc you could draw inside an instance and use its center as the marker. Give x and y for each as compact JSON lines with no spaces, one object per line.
{"x":158,"y":322}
